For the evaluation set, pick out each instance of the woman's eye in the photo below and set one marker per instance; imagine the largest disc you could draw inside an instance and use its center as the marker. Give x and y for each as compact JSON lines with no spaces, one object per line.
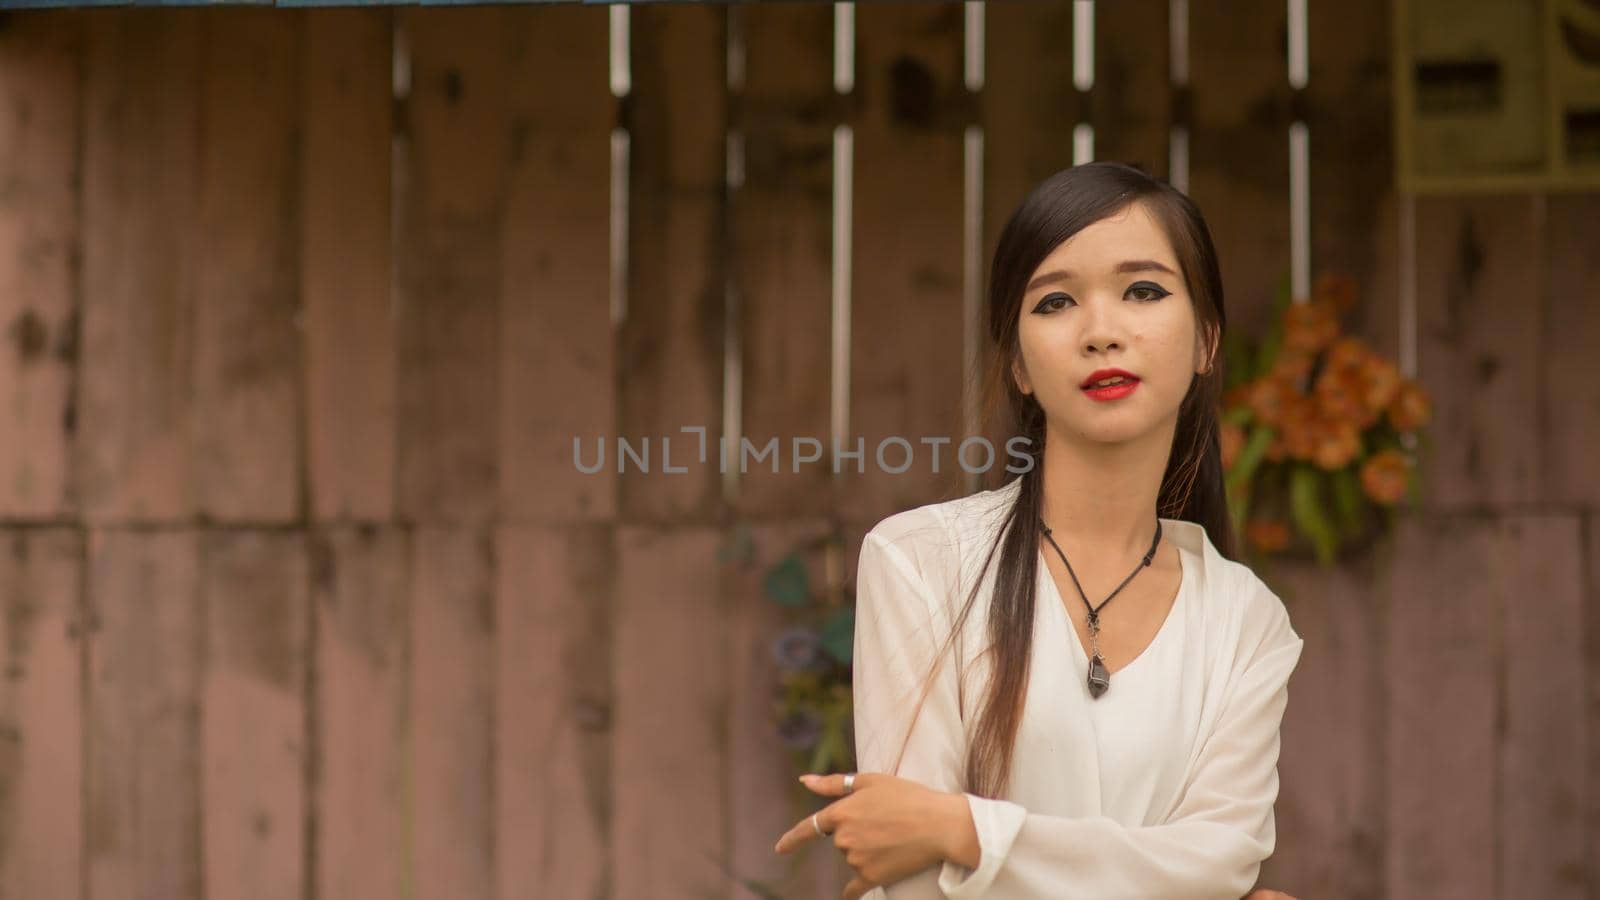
{"x":1052,"y":303}
{"x":1150,"y":292}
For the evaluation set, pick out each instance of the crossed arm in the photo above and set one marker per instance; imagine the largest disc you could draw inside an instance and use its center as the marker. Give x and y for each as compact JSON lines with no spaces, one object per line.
{"x":1210,"y":847}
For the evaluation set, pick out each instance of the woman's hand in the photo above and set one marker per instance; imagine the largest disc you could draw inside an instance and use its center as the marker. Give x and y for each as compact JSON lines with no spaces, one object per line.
{"x":888,"y":827}
{"x":1268,"y":895}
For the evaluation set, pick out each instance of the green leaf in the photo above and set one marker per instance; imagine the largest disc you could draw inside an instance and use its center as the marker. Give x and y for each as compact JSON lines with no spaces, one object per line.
{"x":1250,"y":456}
{"x":1305,"y":506}
{"x":839,"y":634}
{"x":787,"y":582}
{"x":1348,"y":501}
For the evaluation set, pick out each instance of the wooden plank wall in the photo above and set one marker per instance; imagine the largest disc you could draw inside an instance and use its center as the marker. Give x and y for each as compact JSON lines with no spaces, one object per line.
{"x":303,"y":598}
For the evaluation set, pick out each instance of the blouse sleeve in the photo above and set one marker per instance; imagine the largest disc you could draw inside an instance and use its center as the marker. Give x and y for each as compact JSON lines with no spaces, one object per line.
{"x":1213,"y":843}
{"x":896,"y":636}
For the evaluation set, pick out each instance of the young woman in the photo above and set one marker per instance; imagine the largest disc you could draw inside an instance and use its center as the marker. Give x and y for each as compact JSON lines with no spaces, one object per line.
{"x":1116,"y":734}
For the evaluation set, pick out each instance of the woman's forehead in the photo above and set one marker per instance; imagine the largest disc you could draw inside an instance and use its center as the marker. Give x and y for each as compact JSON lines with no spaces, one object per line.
{"x":1106,"y":246}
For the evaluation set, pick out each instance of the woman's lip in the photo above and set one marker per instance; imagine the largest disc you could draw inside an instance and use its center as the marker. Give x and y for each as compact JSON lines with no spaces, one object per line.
{"x":1112,"y":392}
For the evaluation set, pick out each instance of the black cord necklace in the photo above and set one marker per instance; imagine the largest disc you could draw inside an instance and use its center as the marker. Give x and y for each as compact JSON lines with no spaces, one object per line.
{"x":1099,"y":675}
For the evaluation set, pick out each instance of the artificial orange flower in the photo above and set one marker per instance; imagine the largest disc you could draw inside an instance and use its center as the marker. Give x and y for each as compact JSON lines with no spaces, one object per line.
{"x":1410,"y":408}
{"x":1267,"y":535}
{"x":1308,"y":327}
{"x":1291,"y":365}
{"x":1268,"y":396}
{"x":1339,"y":395}
{"x":1348,"y":351}
{"x":1231,"y":437}
{"x":1385,"y":475}
{"x":1382,"y":382}
{"x":1337,"y":444}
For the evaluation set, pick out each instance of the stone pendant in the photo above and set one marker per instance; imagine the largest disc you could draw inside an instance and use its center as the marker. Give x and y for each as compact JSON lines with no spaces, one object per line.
{"x":1099,"y":677}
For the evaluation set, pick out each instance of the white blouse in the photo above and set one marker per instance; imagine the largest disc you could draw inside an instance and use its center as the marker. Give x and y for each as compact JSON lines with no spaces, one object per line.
{"x":1162,"y":789}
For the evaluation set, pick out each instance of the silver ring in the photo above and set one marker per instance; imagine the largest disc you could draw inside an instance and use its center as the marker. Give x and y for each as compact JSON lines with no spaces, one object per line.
{"x":849,"y":782}
{"x":820,"y":832}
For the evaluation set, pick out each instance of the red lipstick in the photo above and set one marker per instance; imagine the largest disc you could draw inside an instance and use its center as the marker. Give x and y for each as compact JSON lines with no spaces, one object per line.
{"x":1114,"y":391}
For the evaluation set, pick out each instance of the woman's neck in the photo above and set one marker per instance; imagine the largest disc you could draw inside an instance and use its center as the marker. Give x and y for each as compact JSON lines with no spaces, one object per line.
{"x":1101,"y":498}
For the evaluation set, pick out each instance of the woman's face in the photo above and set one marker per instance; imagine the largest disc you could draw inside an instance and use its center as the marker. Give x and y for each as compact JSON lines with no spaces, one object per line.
{"x":1110,"y":297}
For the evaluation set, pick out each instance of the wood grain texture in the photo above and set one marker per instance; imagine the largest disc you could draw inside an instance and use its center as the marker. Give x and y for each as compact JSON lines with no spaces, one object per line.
{"x":1349,"y":126}
{"x":1569,"y":383}
{"x":41,"y":712}
{"x":1591,"y":718}
{"x":554,"y":710}
{"x":1131,"y":105}
{"x":669,"y":747}
{"x":1330,"y":810}
{"x":144,"y":764}
{"x":906,"y":314}
{"x":557,"y":355}
{"x":1478,"y":348}
{"x":451,"y":205}
{"x":1442,"y":645}
{"x":782,"y":251}
{"x":246,"y":389}
{"x":132,"y":456}
{"x":40,"y":230}
{"x":670,"y":372}
{"x":254,"y":799}
{"x":1239,"y":149}
{"x":1544,"y":755}
{"x":360,"y":582}
{"x":346,"y":256}
{"x":452,"y":711}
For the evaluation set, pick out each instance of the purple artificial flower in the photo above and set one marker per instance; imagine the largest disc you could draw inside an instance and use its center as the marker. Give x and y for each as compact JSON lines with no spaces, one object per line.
{"x":797,"y":649}
{"x":800,"y":729}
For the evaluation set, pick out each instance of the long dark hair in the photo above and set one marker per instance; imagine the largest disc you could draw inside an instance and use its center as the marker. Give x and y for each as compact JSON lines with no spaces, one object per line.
{"x":1192,"y":486}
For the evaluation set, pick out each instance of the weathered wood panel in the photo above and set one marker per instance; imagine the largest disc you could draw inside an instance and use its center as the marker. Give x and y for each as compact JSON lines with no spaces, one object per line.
{"x":41,"y":712}
{"x":451,"y":195}
{"x":1478,"y":333}
{"x":1348,"y":107}
{"x":1239,"y":156}
{"x":255,"y":587}
{"x":144,"y":825}
{"x":557,"y":355}
{"x":1131,"y":105}
{"x":41,"y":92}
{"x":360,"y":579}
{"x":132,"y":455}
{"x":1330,"y":809}
{"x":782,"y":251}
{"x":246,"y":393}
{"x":1544,"y":754}
{"x":345,"y":263}
{"x":1442,"y":638}
{"x":554,"y":710}
{"x":906,"y":265}
{"x":451,"y":712}
{"x":670,"y":373}
{"x":1569,"y":380}
{"x":669,"y":752}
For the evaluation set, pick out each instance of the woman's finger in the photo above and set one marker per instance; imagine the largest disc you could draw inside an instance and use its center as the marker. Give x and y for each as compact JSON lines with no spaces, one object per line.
{"x":827,"y":785}
{"x":804,"y":830}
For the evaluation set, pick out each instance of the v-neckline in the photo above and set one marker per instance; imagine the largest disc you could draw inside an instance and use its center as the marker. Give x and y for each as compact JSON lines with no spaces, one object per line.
{"x":1072,"y":630}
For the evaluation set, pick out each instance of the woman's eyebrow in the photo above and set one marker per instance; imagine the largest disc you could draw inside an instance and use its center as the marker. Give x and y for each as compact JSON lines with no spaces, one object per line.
{"x":1122,"y":268}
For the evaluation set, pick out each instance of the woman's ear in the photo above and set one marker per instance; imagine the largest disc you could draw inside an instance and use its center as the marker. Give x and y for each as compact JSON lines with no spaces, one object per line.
{"x":1020,"y":374}
{"x":1205,"y":350}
